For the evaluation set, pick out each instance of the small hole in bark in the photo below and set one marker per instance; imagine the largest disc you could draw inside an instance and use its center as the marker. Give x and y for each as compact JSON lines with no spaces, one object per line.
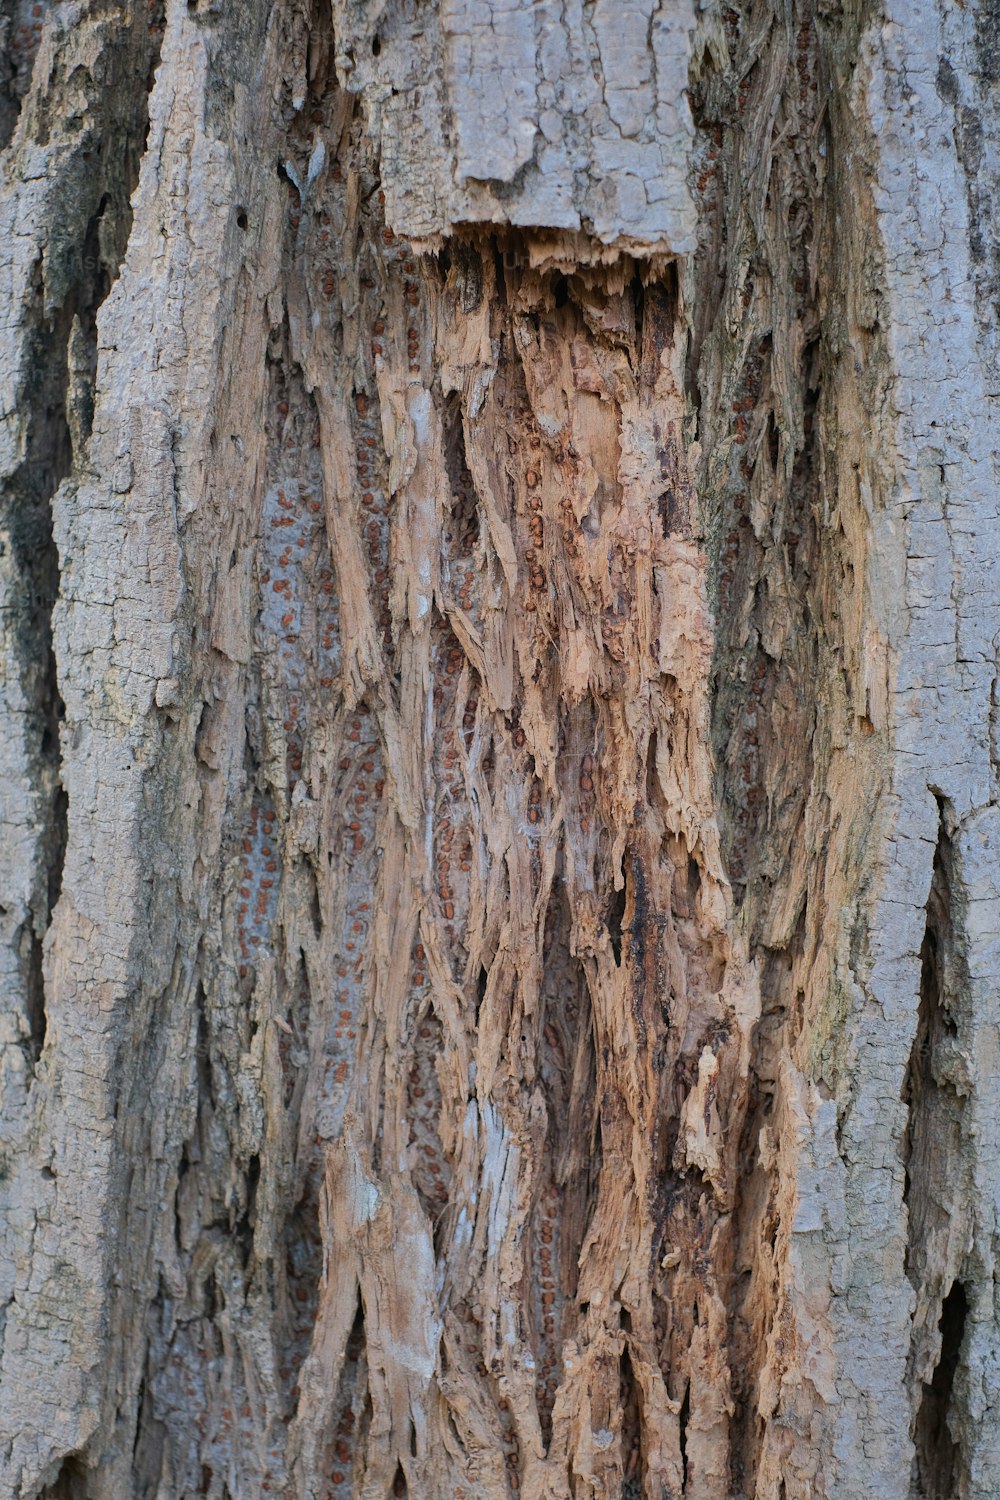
{"x":241,"y":218}
{"x":560,"y":291}
{"x":376,"y":46}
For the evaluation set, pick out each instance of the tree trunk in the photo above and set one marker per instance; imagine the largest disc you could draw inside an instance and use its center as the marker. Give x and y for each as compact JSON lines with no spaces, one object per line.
{"x":500,"y":918}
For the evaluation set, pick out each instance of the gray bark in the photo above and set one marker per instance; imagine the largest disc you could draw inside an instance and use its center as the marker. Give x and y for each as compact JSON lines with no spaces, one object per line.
{"x":500,"y":915}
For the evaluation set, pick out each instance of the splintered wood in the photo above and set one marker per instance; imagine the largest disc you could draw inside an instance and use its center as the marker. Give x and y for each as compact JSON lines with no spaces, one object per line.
{"x":528,"y":1175}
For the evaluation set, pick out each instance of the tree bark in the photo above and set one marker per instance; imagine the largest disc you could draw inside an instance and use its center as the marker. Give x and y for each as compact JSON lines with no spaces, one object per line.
{"x":500,"y":919}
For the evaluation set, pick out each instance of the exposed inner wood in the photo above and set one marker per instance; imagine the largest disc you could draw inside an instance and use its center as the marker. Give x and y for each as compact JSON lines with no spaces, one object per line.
{"x":499,"y":700}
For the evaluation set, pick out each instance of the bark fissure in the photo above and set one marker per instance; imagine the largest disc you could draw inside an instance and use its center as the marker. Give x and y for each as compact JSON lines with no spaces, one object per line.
{"x":938,"y":1454}
{"x":34,"y":565}
{"x":935,"y":1155}
{"x":50,"y":341}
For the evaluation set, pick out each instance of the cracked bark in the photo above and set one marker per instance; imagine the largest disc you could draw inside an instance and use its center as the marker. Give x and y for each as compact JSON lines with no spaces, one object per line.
{"x":501,"y":908}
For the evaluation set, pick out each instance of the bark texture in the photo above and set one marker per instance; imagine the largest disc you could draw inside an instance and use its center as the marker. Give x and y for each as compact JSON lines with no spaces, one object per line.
{"x":498,"y":727}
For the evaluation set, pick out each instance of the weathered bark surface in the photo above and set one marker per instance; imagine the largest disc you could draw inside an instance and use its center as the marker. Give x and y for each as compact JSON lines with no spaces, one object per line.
{"x":501,"y":897}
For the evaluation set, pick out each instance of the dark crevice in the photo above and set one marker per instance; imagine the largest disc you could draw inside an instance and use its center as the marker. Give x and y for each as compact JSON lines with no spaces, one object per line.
{"x":150,"y":1433}
{"x":351,"y":1411}
{"x":70,"y":1483}
{"x":638,"y":308}
{"x":203,"y":1053}
{"x":565,"y":1187}
{"x":243,"y":1229}
{"x":928,"y":1133}
{"x":35,"y":998}
{"x":937,"y":1453}
{"x":934,"y":1190}
{"x":430,"y":1167}
{"x":183,"y":1168}
{"x":303,"y":1268}
{"x":464,"y":519}
{"x":614,"y":920}
{"x":34,"y":564}
{"x":683,"y":1420}
{"x":465,"y":266}
{"x":499,"y":275}
{"x":632,"y":1483}
{"x":656,"y":323}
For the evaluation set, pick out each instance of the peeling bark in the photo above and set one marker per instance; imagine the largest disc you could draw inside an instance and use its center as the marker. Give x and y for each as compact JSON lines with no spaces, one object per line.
{"x":499,"y":702}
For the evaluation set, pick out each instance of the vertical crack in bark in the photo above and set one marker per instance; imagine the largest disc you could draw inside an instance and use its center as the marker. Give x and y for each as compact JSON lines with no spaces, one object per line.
{"x":430,"y":1169}
{"x":630,"y":1403}
{"x":351,"y":1410}
{"x":149,"y":1444}
{"x":938,"y":1453}
{"x":33,"y":559}
{"x":796,"y":692}
{"x":299,"y":1300}
{"x":79,"y":260}
{"x":567,"y":1170}
{"x":935,"y":1160}
{"x":684,"y":1420}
